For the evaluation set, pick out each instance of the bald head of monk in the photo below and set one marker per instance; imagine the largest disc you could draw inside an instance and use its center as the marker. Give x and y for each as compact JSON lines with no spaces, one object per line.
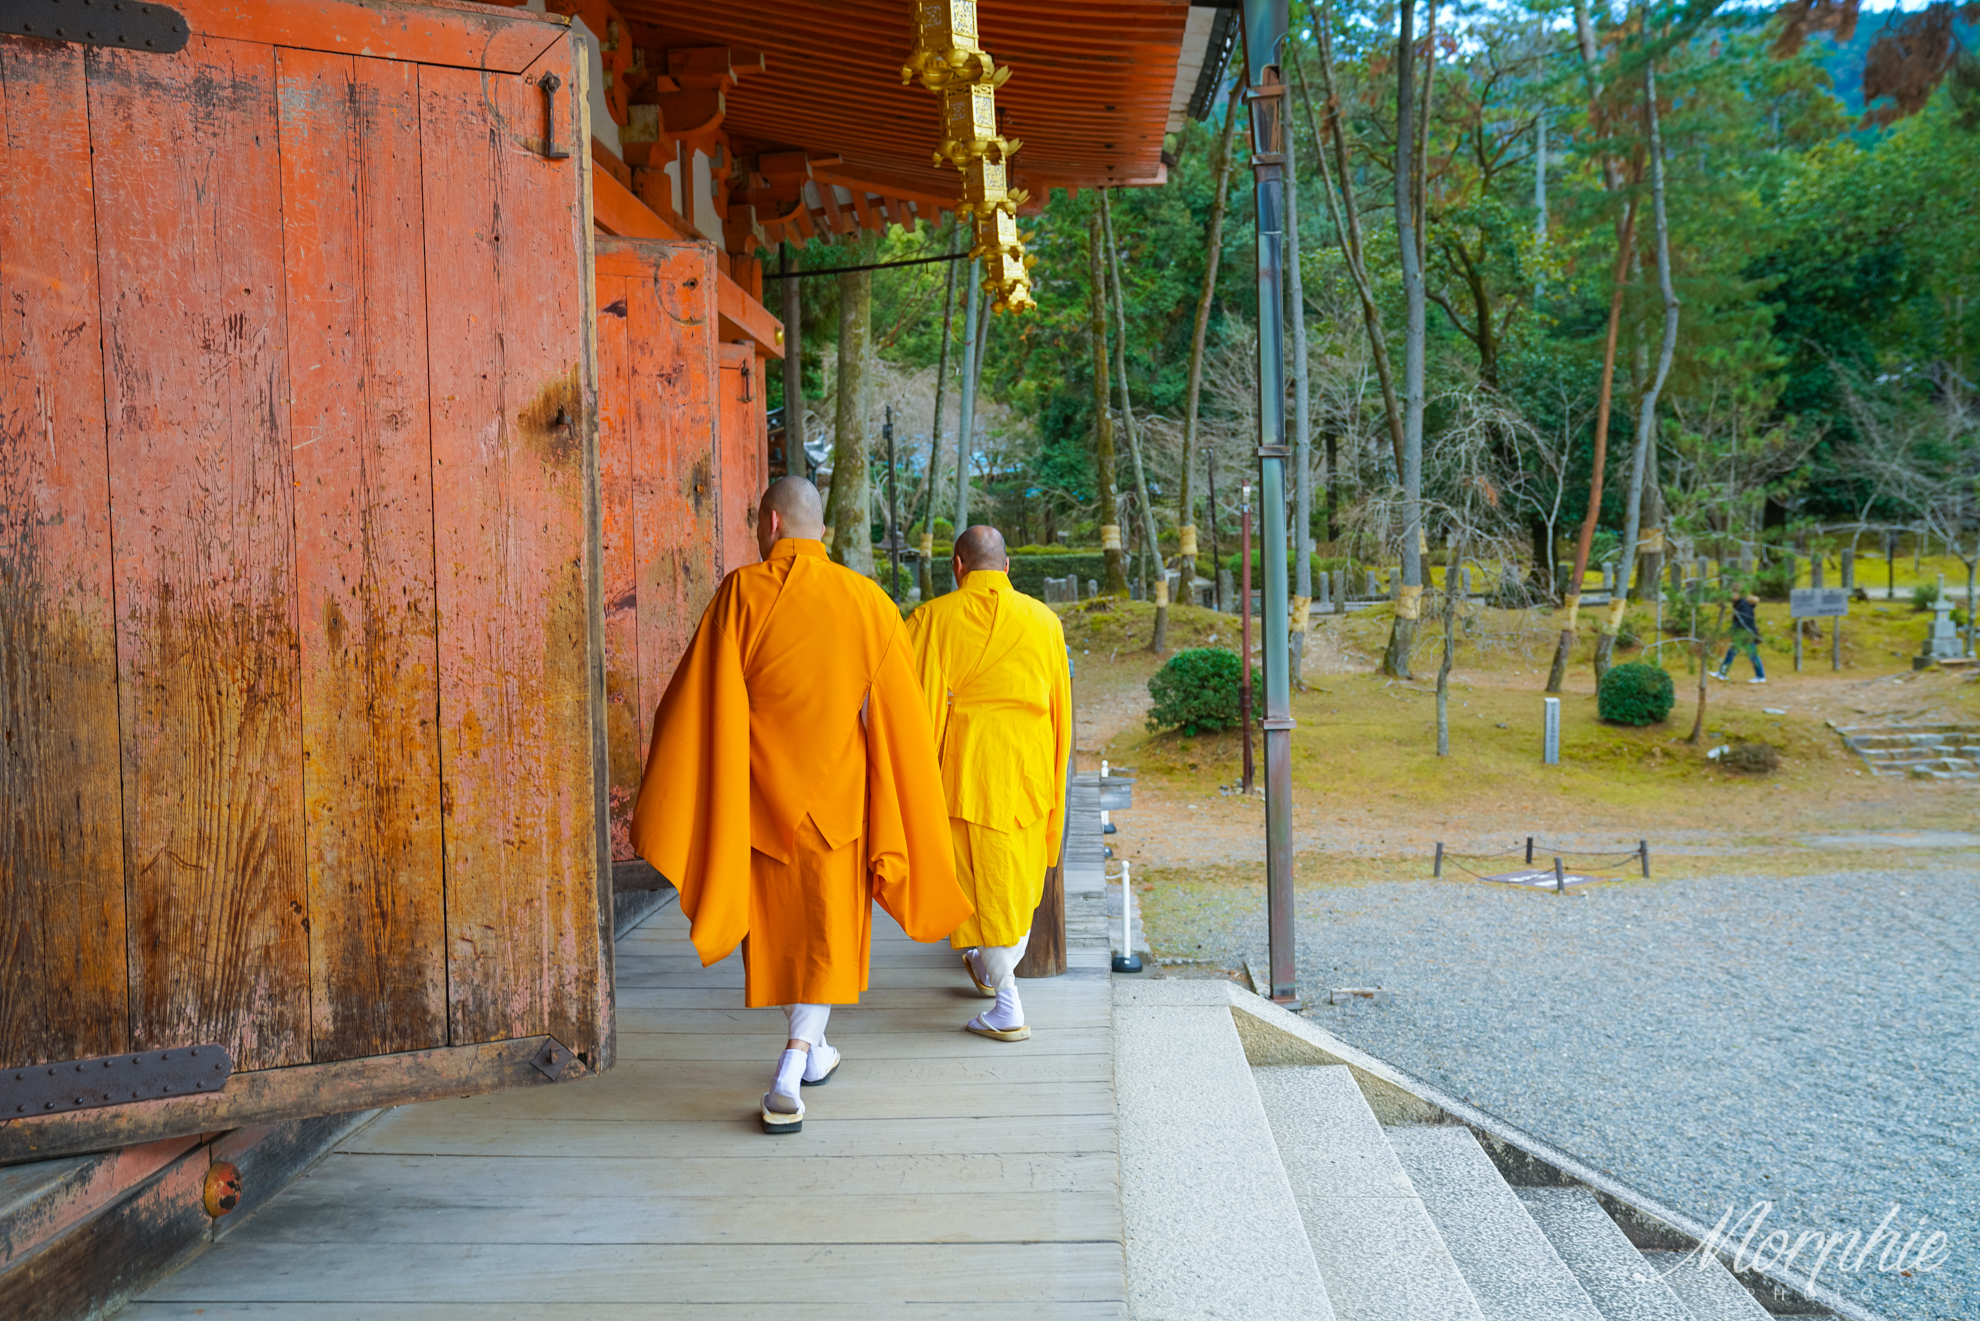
{"x":791,"y":507}
{"x":980,"y":547}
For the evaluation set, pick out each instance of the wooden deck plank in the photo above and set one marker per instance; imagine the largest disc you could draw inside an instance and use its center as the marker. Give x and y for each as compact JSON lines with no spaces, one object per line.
{"x":920,"y":1310}
{"x":717,"y":1092}
{"x":765,"y":1275}
{"x":640,"y":1044}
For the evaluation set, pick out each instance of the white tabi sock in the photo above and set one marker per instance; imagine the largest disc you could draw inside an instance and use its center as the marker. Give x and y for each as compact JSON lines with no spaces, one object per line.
{"x":818,"y":1061}
{"x":1009,"y":1011}
{"x":783,"y":1097}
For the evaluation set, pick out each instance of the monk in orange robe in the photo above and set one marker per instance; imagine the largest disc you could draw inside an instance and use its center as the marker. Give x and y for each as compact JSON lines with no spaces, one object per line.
{"x":792,"y":782}
{"x":992,"y":663}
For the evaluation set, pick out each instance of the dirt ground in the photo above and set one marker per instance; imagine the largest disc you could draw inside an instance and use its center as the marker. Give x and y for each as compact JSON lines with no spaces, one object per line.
{"x":1370,"y":797}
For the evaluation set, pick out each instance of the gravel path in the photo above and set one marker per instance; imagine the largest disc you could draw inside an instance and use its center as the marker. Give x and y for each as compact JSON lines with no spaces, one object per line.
{"x":1813,"y":1042}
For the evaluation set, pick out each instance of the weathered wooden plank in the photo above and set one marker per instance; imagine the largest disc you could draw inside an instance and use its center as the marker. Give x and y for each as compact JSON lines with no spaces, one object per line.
{"x":63,"y":987}
{"x":97,"y":1264}
{"x":452,"y":1209}
{"x":660,"y":1175}
{"x":42,"y":1200}
{"x":202,"y":482}
{"x":222,"y":1310}
{"x":670,"y":361}
{"x":864,"y":1022}
{"x":355,"y":258}
{"x":511,"y":1273}
{"x":738,"y":390}
{"x":434,"y":1130}
{"x":506,"y":238}
{"x":931,"y":1049}
{"x":432,"y":32}
{"x":625,"y":704}
{"x":295,"y":1093}
{"x":270,"y":1156}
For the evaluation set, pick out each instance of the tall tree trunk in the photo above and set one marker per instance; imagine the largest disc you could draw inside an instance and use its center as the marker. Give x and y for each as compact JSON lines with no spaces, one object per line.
{"x":1151,"y":538}
{"x":1646,"y":411}
{"x":852,"y":499}
{"x":1116,"y":583}
{"x":1451,"y":601}
{"x":1402,"y":632}
{"x":1333,"y":485}
{"x":1347,"y":220}
{"x":974,"y":309}
{"x":934,"y":482}
{"x":1302,"y":610}
{"x":795,"y":461}
{"x":1625,"y":241}
{"x":1213,"y":253}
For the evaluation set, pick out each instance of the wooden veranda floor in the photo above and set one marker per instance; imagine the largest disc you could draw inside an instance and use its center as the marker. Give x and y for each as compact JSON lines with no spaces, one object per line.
{"x":938,"y":1172}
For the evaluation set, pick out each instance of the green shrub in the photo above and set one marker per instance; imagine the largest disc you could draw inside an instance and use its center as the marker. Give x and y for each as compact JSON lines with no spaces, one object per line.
{"x":1773,"y":582}
{"x":1925,"y":596}
{"x":1198,"y":690}
{"x":1636,"y":694}
{"x":1751,"y":759}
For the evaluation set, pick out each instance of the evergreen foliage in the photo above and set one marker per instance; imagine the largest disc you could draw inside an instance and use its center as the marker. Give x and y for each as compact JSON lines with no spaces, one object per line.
{"x":1636,"y":694}
{"x":1197,"y":690}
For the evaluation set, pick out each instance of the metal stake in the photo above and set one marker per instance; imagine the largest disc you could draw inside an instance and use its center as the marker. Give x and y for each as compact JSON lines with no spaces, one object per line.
{"x":1437,"y":867}
{"x":1127,"y":960}
{"x":1529,"y":850}
{"x":1643,"y":847}
{"x":1560,"y":881}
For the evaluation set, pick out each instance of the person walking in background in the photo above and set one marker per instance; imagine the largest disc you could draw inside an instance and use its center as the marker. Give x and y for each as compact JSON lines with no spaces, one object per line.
{"x":992,"y":665}
{"x":1746,"y":637}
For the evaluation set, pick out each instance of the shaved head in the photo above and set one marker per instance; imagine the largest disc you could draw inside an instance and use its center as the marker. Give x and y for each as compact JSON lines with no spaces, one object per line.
{"x":982,"y":547}
{"x":790,"y":508}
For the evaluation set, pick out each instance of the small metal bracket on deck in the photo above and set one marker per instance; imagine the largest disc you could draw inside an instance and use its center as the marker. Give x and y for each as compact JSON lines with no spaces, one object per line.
{"x":53,"y":1089}
{"x":124,"y":24}
{"x":555,"y":1061}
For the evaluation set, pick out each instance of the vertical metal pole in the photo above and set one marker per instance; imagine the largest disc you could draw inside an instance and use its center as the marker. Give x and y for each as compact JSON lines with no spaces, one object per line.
{"x":1264,"y":30}
{"x":1244,"y":633}
{"x":1835,"y":642}
{"x":966,"y":419}
{"x":1643,"y":847}
{"x":1560,"y":881}
{"x":1529,"y":850}
{"x":1795,"y":624}
{"x":1437,"y":867}
{"x":797,"y":463}
{"x":893,"y":513}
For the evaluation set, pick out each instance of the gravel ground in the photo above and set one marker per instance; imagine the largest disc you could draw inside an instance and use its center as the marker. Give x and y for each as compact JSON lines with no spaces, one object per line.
{"x":1811,"y":1042}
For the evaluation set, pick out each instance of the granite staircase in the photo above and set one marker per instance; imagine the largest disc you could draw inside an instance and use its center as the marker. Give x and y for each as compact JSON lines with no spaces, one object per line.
{"x":1941,"y":750}
{"x":1270,"y":1170}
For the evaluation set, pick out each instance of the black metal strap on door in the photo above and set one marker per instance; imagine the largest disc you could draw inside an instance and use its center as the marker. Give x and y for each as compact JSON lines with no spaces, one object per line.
{"x":53,"y":1089}
{"x":154,"y":29}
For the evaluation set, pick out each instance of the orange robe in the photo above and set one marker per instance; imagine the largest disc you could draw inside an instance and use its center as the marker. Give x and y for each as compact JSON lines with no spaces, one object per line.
{"x":792,"y":781}
{"x":992,"y":664}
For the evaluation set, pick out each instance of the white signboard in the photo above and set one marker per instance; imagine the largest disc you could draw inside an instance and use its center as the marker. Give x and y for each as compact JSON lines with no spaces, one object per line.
{"x":1818,"y":602}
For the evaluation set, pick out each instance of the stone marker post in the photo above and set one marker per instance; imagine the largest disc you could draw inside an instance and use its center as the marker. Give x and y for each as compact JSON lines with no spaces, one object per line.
{"x":1092,"y":588}
{"x":1815,"y":574}
{"x":1227,"y":590}
{"x":1340,"y":590}
{"x":1551,"y":745}
{"x":1374,"y":586}
{"x":1849,"y":570}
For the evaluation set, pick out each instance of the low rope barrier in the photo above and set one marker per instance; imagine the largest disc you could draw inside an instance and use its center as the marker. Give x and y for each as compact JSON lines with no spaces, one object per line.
{"x":1641,"y":852}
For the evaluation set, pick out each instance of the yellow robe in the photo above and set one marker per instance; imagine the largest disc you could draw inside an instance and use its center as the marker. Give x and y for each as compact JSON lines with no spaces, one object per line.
{"x":992,"y":664}
{"x":791,"y":781}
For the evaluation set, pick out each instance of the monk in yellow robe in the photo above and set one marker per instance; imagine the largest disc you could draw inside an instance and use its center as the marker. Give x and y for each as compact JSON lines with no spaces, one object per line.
{"x":792,"y":782}
{"x":992,"y":663}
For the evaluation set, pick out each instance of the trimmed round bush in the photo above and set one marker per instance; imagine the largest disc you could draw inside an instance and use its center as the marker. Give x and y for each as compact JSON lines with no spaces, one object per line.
{"x":1636,"y":694}
{"x":1197,"y":690}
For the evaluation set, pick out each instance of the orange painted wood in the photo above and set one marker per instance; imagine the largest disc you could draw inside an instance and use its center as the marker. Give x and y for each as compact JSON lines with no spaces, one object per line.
{"x":617,"y":211}
{"x":356,"y":293}
{"x":745,"y":317}
{"x":507,"y":241}
{"x":62,"y":974}
{"x":446,"y":32}
{"x":82,"y":1191}
{"x":672,"y":381}
{"x":625,"y":707}
{"x":196,"y":384}
{"x":739,"y":394}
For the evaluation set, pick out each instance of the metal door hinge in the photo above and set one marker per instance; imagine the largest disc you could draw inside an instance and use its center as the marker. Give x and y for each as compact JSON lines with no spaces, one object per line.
{"x":124,"y":24}
{"x":556,"y":1061}
{"x":53,"y":1089}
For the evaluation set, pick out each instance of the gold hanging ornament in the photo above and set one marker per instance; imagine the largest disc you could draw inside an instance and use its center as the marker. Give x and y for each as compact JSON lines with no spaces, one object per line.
{"x":948,"y":61}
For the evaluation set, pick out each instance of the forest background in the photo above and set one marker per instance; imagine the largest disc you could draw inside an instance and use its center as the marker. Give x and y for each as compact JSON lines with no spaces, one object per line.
{"x":1823,"y":228}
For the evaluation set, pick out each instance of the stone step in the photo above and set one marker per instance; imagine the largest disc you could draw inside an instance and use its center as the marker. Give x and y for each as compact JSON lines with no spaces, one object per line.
{"x":1211,"y":1225}
{"x":1511,"y":1267}
{"x":1704,"y":1285}
{"x":1376,"y":1245}
{"x":1611,"y":1271}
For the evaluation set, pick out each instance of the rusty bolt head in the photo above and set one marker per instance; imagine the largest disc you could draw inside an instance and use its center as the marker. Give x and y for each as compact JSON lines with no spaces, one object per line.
{"x":223,"y":1188}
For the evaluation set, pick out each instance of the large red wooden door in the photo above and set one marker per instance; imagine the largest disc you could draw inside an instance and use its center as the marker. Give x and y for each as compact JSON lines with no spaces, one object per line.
{"x":299,"y":579}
